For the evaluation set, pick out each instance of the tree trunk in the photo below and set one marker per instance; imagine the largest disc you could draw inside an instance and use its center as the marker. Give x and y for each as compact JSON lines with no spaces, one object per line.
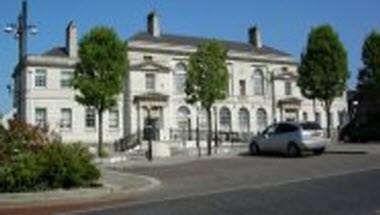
{"x":216,"y":140}
{"x":315,"y":110}
{"x":100,"y":133}
{"x":328,"y":117}
{"x":209,"y":135}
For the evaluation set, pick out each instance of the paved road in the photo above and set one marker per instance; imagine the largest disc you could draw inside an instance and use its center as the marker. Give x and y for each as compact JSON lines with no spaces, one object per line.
{"x":350,"y":194}
{"x":330,"y":184}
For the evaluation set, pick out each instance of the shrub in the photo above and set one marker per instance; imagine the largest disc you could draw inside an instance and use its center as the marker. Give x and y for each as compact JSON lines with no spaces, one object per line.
{"x":69,"y":166}
{"x":29,"y":161}
{"x":22,"y":175}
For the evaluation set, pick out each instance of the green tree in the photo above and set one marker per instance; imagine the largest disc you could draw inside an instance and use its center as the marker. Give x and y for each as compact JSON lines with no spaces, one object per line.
{"x":323,"y":70}
{"x":306,"y":89}
{"x":99,"y":76}
{"x":369,"y":75}
{"x":207,"y":79}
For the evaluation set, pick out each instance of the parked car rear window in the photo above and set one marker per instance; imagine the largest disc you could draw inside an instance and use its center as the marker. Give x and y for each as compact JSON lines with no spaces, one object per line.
{"x":311,"y":126}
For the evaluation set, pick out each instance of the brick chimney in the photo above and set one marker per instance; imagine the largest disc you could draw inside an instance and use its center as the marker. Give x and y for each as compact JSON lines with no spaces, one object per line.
{"x":255,"y":37}
{"x":72,"y":40}
{"x":153,"y":24}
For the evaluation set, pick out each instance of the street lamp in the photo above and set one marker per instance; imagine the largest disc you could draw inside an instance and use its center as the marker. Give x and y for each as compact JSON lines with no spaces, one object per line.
{"x":20,"y":31}
{"x":149,"y":132}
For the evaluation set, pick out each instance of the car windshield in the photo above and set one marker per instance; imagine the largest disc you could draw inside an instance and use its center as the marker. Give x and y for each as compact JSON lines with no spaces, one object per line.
{"x":310,"y":126}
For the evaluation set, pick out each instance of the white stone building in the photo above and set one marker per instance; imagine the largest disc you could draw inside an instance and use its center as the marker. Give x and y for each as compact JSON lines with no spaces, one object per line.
{"x":262,"y":88}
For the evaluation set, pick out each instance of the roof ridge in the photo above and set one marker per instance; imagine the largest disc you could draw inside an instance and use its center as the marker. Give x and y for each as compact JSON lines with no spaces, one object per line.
{"x":195,"y":40}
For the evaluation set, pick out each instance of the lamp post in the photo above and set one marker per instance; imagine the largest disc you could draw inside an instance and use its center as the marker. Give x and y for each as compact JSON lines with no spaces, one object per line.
{"x":149,"y":133}
{"x":20,"y":32}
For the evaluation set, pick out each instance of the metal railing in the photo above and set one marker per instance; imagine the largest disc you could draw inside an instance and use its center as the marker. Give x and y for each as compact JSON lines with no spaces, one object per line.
{"x":223,"y":136}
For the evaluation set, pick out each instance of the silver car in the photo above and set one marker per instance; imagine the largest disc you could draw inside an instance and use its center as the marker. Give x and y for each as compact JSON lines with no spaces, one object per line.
{"x":291,"y":139}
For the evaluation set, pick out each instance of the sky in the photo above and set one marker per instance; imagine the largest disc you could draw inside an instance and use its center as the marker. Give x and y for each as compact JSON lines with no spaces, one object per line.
{"x":284,"y":24}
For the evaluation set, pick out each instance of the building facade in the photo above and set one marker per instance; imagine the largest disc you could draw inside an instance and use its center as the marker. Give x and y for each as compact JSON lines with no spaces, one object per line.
{"x":262,"y":89}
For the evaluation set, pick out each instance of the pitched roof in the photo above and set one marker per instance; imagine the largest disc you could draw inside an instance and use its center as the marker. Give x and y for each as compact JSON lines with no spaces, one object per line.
{"x":195,"y":41}
{"x":56,"y":52}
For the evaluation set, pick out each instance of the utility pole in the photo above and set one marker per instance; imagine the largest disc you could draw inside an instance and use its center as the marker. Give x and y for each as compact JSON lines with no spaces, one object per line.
{"x":20,"y":32}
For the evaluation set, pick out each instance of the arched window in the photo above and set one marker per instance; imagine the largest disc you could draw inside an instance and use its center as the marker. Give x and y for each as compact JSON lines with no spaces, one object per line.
{"x":225,"y":119}
{"x":262,"y":119}
{"x":258,"y":82}
{"x":244,"y":120}
{"x":180,"y":78}
{"x":183,"y":118}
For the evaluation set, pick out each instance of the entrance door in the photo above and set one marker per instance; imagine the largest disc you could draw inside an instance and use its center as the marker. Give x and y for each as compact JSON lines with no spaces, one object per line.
{"x":291,"y":115}
{"x":155,"y":120}
{"x":155,"y":123}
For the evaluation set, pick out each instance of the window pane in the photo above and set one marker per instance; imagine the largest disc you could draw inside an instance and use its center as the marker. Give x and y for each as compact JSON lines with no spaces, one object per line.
{"x":180,"y":80}
{"x":242,"y":87}
{"x":66,"y":78}
{"x":244,"y":120}
{"x":311,"y":126}
{"x":262,"y":121}
{"x":90,"y":118}
{"x":41,"y":117}
{"x":66,"y":118}
{"x":285,"y":128}
{"x":288,"y":88}
{"x":114,"y":119}
{"x":225,"y":119}
{"x":40,"y":78}
{"x":183,"y":116}
{"x":258,"y":82}
{"x":150,"y":82}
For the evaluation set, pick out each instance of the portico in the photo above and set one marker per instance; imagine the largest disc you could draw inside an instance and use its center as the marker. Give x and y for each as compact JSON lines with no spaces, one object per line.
{"x":290,"y":109}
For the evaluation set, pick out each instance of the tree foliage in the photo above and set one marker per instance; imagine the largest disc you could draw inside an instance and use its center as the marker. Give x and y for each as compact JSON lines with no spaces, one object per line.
{"x":323,"y":71}
{"x":99,"y":76}
{"x":207,"y":78}
{"x":369,"y":75}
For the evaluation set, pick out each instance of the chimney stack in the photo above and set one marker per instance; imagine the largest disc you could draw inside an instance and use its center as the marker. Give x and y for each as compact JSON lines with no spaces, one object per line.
{"x":255,"y":37}
{"x":72,"y":40}
{"x":154,"y":24}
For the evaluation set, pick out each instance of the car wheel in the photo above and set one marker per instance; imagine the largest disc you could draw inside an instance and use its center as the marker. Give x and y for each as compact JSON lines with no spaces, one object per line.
{"x":319,"y":151}
{"x":254,"y":149}
{"x":293,"y":150}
